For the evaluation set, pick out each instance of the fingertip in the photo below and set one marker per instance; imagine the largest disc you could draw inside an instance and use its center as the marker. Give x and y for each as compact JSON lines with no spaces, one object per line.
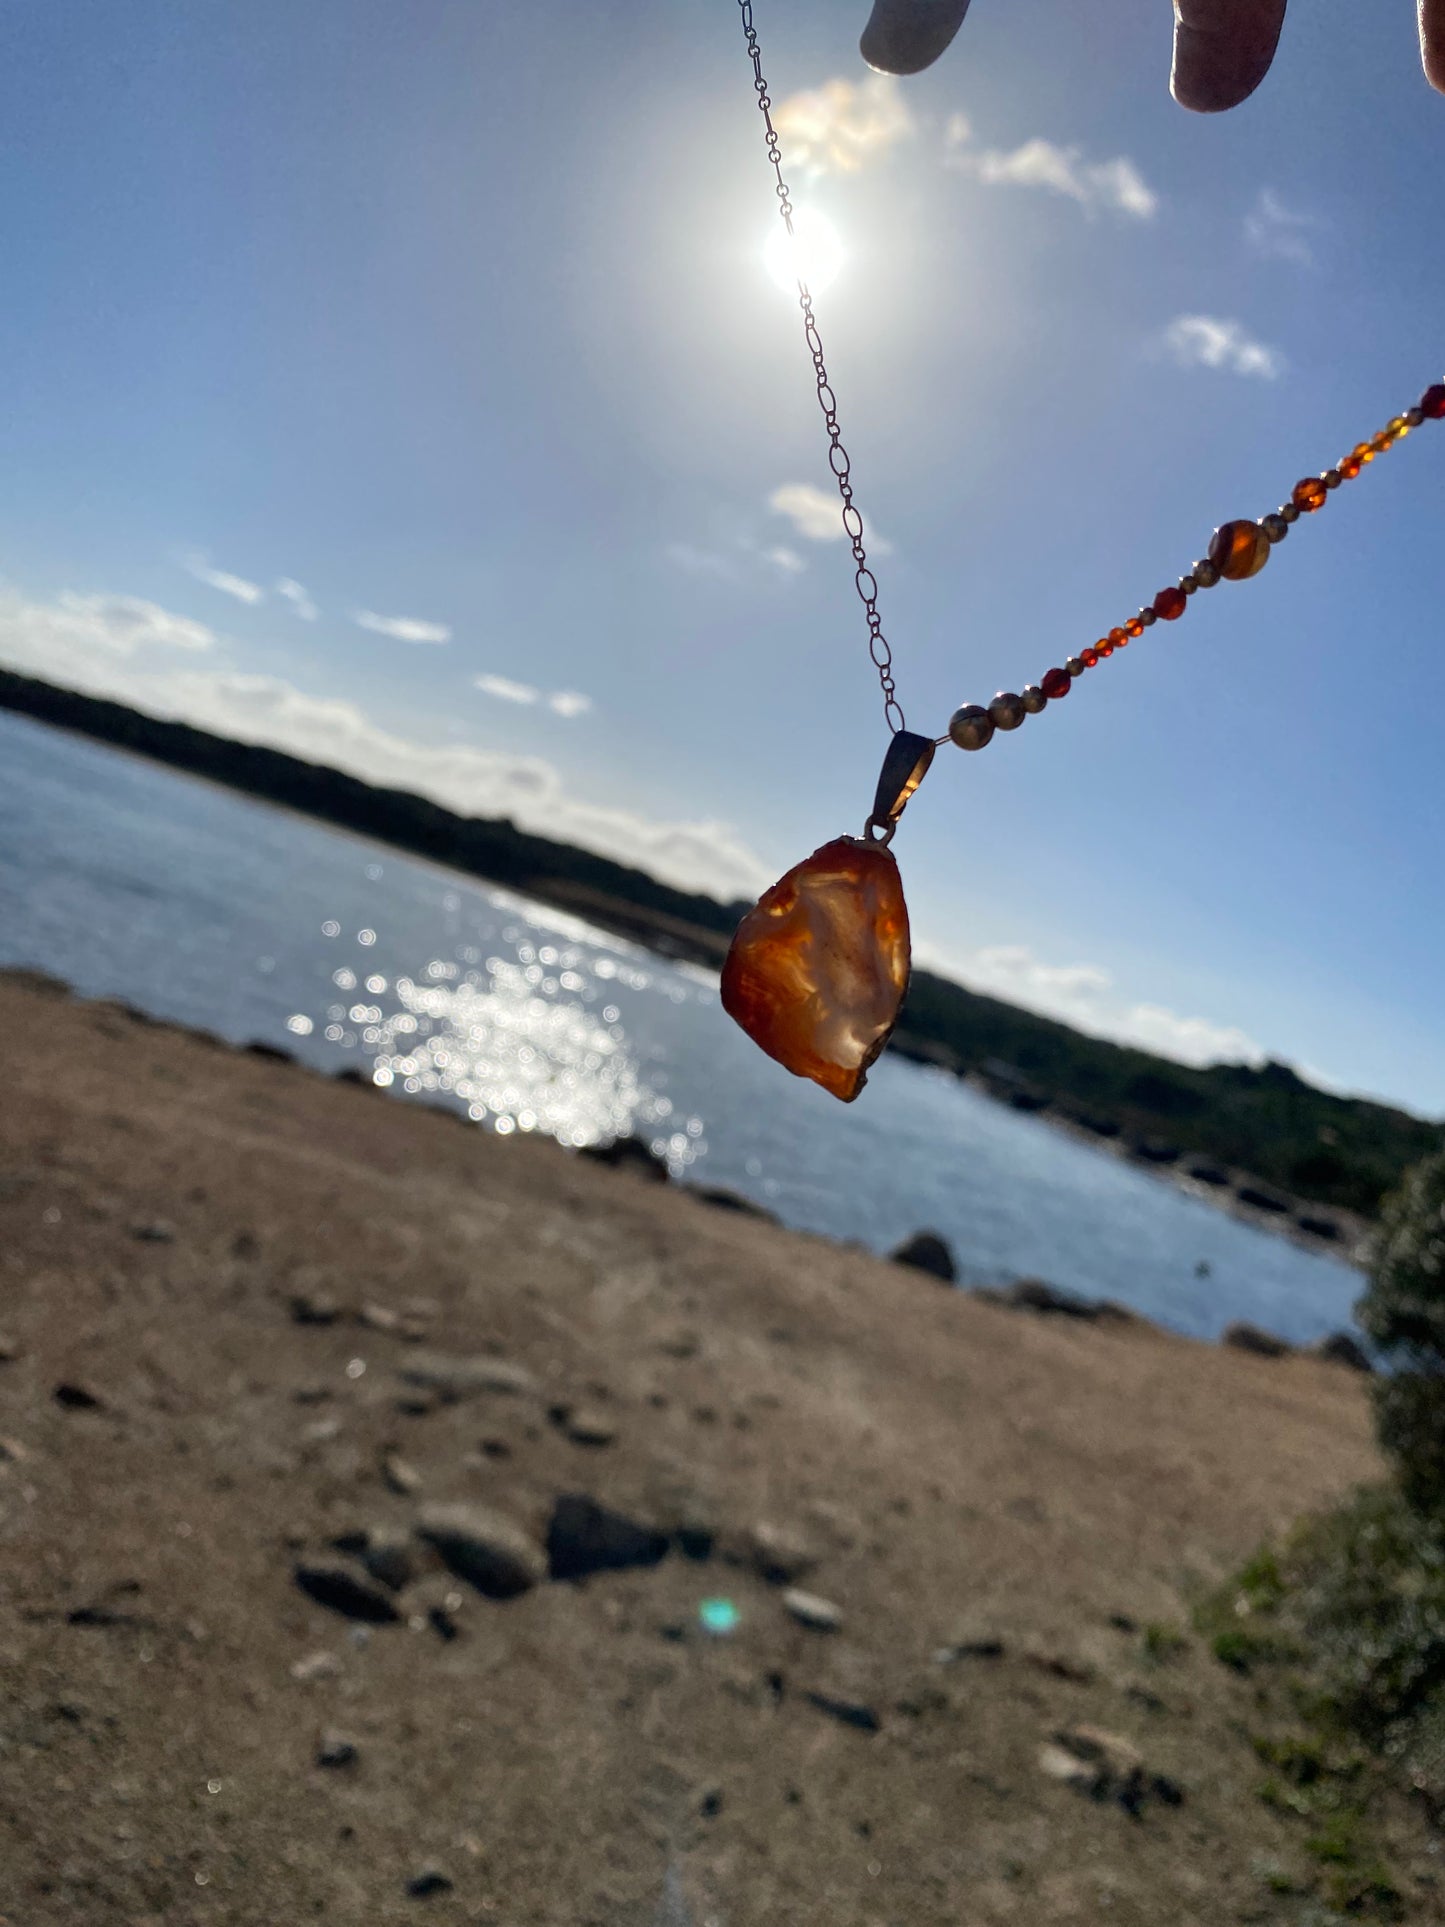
{"x":1432,"y":42}
{"x":1223,"y":50}
{"x":905,"y":36}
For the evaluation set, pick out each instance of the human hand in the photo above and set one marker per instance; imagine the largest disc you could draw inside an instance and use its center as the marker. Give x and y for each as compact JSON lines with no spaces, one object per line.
{"x":1222,"y":48}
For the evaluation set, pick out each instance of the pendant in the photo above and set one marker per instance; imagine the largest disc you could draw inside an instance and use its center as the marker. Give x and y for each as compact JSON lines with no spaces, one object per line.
{"x":818,"y":971}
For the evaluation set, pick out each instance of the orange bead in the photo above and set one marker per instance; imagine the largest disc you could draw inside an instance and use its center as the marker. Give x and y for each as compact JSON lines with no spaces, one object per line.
{"x":1134,"y":627}
{"x":1350,"y":467}
{"x":1117,"y":638}
{"x":1364,"y":452}
{"x":1309,"y":494}
{"x":1170,"y":604}
{"x":1240,"y":549}
{"x":1399,"y":428}
{"x":1089,"y":657}
{"x":1380,"y":442}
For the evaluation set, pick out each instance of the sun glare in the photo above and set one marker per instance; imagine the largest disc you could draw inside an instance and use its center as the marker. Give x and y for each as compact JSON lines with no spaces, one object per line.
{"x":813,"y":252}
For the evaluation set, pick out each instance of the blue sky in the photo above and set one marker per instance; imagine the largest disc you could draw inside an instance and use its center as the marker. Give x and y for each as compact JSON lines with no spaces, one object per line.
{"x":454,"y":320}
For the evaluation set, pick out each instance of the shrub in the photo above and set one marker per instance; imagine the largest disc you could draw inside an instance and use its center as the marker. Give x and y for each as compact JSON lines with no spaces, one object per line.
{"x":1403,"y":1310}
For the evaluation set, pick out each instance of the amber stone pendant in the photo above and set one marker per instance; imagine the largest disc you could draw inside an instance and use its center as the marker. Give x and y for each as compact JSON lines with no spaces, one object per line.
{"x":817,"y":973}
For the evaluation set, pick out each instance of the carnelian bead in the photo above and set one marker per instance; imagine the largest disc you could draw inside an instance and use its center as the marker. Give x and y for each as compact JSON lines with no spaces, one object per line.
{"x":1117,"y":638}
{"x":1240,"y":549}
{"x":1432,"y":402}
{"x":1105,"y":648}
{"x":1379,"y":443}
{"x":1134,"y":627}
{"x":1170,"y":604}
{"x":1055,"y":683}
{"x":1309,"y":494}
{"x":1364,"y":452}
{"x":1088,"y":657}
{"x":1350,"y":467}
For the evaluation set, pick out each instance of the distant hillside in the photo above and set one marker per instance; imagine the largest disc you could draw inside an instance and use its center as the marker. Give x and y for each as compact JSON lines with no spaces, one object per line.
{"x":1333,"y":1151}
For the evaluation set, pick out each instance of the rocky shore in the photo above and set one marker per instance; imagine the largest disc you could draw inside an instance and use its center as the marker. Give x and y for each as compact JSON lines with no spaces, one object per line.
{"x":399,"y":1523}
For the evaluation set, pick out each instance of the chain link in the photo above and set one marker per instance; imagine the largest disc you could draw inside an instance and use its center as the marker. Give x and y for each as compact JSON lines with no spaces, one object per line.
{"x":863,"y":578}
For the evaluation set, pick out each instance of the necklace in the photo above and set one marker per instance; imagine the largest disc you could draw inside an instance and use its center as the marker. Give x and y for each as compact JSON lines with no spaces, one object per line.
{"x":817,"y":972}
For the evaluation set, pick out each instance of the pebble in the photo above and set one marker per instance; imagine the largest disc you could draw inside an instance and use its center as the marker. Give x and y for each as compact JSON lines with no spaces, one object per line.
{"x":9,"y":1349}
{"x":335,"y":1749}
{"x":819,"y":1615}
{"x":1245,"y":1337}
{"x":314,"y":1308}
{"x":331,"y":1584}
{"x":157,"y":1232}
{"x":453,"y":1378}
{"x":584,"y":1424}
{"x":400,"y":1476}
{"x":780,"y":1555}
{"x":72,"y":1396}
{"x":1106,"y":1767}
{"x":316,"y":1666}
{"x":927,"y":1251}
{"x":855,"y":1713}
{"x":384,"y":1551}
{"x":984,"y":1647}
{"x":485,"y":1548}
{"x":12,"y":1452}
{"x":1339,"y":1348}
{"x":585,"y":1537}
{"x":427,"y":1881}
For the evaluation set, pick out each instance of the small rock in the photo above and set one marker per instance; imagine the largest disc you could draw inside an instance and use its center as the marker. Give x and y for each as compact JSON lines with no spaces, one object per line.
{"x":334,"y":1749}
{"x":427,"y":1881}
{"x":779,"y":1555}
{"x":273,"y":1053}
{"x":72,"y":1396}
{"x":378,"y":1318}
{"x":927,"y":1251}
{"x":483,"y":1547}
{"x":402,"y":1477}
{"x":584,"y":1424}
{"x":1261,"y":1200}
{"x":321,"y":1431}
{"x":1253,"y":1338}
{"x":316,"y":1666}
{"x":454,"y":1378}
{"x":314,"y":1308}
{"x":1033,"y":1294}
{"x":157,"y":1232}
{"x":629,"y":1154}
{"x":337,"y":1587}
{"x":1341,"y":1348}
{"x":585,"y":1537}
{"x":9,"y":1349}
{"x":1106,"y":1767}
{"x":312,"y":1393}
{"x":1061,"y":1666}
{"x":722,"y":1199}
{"x":855,"y":1713}
{"x":986,"y":1646}
{"x":436,"y":1602}
{"x":819,"y":1615}
{"x":711,"y":1803}
{"x":385,"y":1553}
{"x":12,"y":1452}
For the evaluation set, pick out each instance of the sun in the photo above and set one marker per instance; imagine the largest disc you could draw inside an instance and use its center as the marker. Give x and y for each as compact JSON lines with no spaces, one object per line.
{"x":813,"y":252}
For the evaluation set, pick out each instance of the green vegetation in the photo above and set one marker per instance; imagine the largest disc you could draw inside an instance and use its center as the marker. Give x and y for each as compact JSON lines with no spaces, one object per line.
{"x":1404,"y":1312}
{"x":1162,"y":1643}
{"x":1338,"y":1152}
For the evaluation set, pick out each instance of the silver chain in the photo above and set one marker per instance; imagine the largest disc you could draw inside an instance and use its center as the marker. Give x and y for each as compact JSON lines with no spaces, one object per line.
{"x":863,"y":578}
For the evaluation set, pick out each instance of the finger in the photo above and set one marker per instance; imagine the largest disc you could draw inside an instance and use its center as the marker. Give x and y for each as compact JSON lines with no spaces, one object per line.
{"x":905,"y":36}
{"x":1222,"y":50}
{"x":1432,"y":41}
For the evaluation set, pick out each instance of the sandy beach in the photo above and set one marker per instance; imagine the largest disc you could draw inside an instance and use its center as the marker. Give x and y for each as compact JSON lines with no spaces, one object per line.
{"x":368,"y":1485}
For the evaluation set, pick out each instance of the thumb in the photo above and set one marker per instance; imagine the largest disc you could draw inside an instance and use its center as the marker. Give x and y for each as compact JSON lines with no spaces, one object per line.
{"x":905,"y":36}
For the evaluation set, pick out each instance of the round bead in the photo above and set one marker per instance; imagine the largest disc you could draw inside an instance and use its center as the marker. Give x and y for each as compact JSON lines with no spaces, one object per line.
{"x":1170,"y":604}
{"x":1379,"y":443}
{"x":1188,"y":583}
{"x":1350,"y":467}
{"x":1006,"y":711}
{"x":1432,"y":402}
{"x":1309,"y":494}
{"x":1089,"y":658}
{"x":1239,"y":550}
{"x":1148,"y":617}
{"x":1331,"y":478}
{"x":1055,"y":683}
{"x":1033,"y":698}
{"x":1275,"y":527}
{"x":1399,"y":427}
{"x":1074,"y":665}
{"x":1104,"y":648}
{"x":970,"y":727}
{"x":1205,"y":574}
{"x":1414,"y":417}
{"x":1289,"y":512}
{"x":1118,"y":638}
{"x":1134,"y":626}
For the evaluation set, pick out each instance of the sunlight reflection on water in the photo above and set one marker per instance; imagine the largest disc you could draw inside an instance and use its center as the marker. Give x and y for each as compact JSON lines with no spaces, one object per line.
{"x":527,"y":1042}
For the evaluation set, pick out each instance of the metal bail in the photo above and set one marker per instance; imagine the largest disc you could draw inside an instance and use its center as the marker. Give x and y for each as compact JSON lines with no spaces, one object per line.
{"x":904,"y":768}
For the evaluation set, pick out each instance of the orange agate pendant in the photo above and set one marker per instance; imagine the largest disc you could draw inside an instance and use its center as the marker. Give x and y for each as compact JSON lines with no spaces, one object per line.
{"x":817,"y":973}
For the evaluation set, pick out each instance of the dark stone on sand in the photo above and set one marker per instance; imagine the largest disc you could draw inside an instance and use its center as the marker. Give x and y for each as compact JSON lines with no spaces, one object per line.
{"x":485,"y":1548}
{"x":780,"y":1556}
{"x":1251,"y":1194}
{"x":352,"y":1074}
{"x":927,"y":1251}
{"x":385,"y":1553}
{"x":855,"y":1713}
{"x":72,"y":1396}
{"x":1341,"y":1348}
{"x":258,"y":1047}
{"x":334,"y":1749}
{"x":1318,"y":1227}
{"x":158,"y":1232}
{"x":427,"y":1881}
{"x":1207,"y":1174}
{"x":629,"y":1154}
{"x":314,"y":1308}
{"x":1245,"y":1337}
{"x":722,"y":1199}
{"x":9,"y":1349}
{"x":1033,"y":1294}
{"x":343,"y":1591}
{"x":585,"y":1537}
{"x":986,"y":1646}
{"x":583,"y":1424}
{"x":1153,"y":1151}
{"x":711,"y":1803}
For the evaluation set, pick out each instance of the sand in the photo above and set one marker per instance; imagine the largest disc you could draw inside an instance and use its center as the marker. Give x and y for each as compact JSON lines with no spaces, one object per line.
{"x":253,"y":1310}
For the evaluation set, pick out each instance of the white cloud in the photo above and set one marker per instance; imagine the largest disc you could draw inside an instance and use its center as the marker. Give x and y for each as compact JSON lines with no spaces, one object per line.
{"x":569,"y":702}
{"x":1204,"y":341}
{"x":505,"y":690}
{"x":1115,"y":185}
{"x":402,"y":628}
{"x":1080,"y":994}
{"x":231,"y":585}
{"x":1278,"y":232}
{"x":786,"y":559}
{"x":301,"y":603}
{"x":843,"y":125}
{"x":817,"y":516}
{"x":78,"y":635}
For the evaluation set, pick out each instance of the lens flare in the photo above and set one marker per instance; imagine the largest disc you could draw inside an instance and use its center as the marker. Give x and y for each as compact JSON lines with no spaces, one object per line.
{"x":813,"y":252}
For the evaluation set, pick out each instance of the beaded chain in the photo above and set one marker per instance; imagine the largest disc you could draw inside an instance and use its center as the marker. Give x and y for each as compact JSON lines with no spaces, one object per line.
{"x":1238,"y":550}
